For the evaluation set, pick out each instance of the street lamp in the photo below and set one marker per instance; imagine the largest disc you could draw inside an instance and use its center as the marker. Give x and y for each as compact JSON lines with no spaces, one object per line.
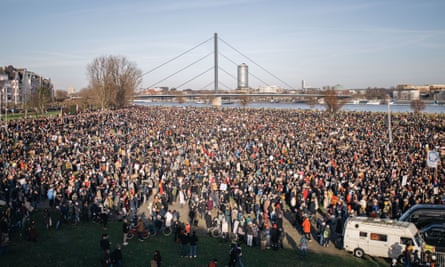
{"x":389,"y":121}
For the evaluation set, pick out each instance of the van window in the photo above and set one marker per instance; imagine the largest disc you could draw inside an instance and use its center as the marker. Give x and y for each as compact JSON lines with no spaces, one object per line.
{"x":406,"y":240}
{"x":363,"y":234}
{"x":379,"y":237}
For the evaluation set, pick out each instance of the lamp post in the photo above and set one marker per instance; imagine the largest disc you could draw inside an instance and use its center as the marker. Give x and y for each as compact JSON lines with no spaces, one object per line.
{"x":389,"y":121}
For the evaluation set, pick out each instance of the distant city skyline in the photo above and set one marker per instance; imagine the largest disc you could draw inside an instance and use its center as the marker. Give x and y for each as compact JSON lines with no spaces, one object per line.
{"x":354,"y":43}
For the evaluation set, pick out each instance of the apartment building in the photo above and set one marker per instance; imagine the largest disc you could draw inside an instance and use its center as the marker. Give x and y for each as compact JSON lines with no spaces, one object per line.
{"x":19,"y":84}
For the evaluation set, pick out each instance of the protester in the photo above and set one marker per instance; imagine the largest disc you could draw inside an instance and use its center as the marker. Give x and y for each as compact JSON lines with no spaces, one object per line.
{"x":303,"y":245}
{"x":193,"y":245}
{"x":213,"y":263}
{"x":116,"y":256}
{"x":184,"y":241}
{"x":105,"y":243}
{"x":4,"y":235}
{"x":156,"y":260}
{"x":106,"y":259}
{"x":306,"y":225}
{"x":241,"y":165}
{"x":125,"y":229}
{"x":140,"y":228}
{"x":234,"y":255}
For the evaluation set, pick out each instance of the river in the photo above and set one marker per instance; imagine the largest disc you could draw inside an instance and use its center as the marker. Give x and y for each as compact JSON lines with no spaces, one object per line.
{"x":348,"y":107}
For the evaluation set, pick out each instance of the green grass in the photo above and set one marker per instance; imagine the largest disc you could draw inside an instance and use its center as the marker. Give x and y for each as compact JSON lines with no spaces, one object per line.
{"x":79,"y":246}
{"x":16,"y":116}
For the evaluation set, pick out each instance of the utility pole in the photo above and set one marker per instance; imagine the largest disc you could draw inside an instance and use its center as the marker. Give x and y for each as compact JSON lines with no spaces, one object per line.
{"x":216,"y":60}
{"x":389,"y":121}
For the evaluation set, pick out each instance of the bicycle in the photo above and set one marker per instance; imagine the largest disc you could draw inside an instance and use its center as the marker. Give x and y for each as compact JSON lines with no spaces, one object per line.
{"x":167,"y":230}
{"x":133,"y":232}
{"x":215,"y":232}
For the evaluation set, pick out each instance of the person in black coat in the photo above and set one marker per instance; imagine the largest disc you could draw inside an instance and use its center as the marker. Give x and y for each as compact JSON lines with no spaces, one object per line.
{"x":157,"y":258}
{"x":184,"y":240}
{"x":116,"y":256}
{"x":193,"y":239}
{"x":274,"y":237}
{"x":105,"y":243}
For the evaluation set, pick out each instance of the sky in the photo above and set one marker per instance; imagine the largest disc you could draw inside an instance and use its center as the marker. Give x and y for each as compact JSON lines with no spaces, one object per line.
{"x":352,"y":43}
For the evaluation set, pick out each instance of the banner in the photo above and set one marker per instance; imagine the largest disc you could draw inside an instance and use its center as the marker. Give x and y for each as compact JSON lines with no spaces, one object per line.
{"x":432,"y":159}
{"x":404,"y":180}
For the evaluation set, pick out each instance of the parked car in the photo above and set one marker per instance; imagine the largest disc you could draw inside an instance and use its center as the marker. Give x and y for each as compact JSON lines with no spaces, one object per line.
{"x":423,"y":215}
{"x":434,"y":234}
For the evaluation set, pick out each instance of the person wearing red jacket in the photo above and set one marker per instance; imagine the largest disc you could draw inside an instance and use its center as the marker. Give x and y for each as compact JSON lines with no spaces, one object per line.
{"x":306,"y":227}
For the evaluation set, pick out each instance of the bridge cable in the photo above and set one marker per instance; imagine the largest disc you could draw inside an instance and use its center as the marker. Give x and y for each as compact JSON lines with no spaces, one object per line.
{"x":193,"y":63}
{"x":210,"y":83}
{"x":197,"y":76}
{"x":250,"y":73}
{"x":228,"y":73}
{"x":224,"y":85}
{"x":178,"y":56}
{"x":290,"y":87}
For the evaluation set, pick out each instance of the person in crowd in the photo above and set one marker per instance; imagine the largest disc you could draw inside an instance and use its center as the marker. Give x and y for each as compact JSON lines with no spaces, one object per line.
{"x":212,"y":263}
{"x":140,"y":228}
{"x":193,"y":239}
{"x":303,"y":245}
{"x":47,"y":220}
{"x":156,"y":260}
{"x":184,"y":241}
{"x":326,"y":234}
{"x":306,"y":225}
{"x":125,"y":229}
{"x":275,"y":234}
{"x":116,"y":256}
{"x":32,"y":231}
{"x":4,"y":235}
{"x":105,"y":243}
{"x":234,"y":254}
{"x":104,"y":217}
{"x":237,"y":161}
{"x":106,"y":259}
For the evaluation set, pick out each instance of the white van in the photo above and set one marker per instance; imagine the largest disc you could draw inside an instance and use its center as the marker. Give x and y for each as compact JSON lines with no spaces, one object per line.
{"x":382,"y":238}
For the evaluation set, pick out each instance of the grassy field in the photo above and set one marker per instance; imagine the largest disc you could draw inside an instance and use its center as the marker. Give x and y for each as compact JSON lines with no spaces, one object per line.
{"x":15,"y":116}
{"x":79,"y":246}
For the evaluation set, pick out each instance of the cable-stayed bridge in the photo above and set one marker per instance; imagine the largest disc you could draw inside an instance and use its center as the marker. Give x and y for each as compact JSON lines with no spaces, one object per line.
{"x":214,"y":88}
{"x":202,"y":70}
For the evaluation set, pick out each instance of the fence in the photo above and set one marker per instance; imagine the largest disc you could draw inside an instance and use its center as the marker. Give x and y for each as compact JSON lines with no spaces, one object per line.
{"x":440,"y":259}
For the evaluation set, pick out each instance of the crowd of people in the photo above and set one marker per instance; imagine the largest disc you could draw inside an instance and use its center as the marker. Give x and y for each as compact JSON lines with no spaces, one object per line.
{"x":240,"y":167}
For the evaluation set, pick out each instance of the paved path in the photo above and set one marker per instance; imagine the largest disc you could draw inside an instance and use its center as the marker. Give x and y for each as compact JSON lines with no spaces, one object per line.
{"x":291,"y":239}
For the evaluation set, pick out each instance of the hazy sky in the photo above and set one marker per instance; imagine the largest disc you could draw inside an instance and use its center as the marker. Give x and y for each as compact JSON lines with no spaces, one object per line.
{"x":354,"y":43}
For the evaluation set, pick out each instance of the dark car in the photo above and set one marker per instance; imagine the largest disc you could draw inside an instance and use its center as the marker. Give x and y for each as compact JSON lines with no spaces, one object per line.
{"x":434,"y":234}
{"x":423,"y":215}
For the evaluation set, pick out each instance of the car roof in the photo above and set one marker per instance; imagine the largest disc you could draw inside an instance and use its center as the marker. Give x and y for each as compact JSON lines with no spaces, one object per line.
{"x":428,"y":208}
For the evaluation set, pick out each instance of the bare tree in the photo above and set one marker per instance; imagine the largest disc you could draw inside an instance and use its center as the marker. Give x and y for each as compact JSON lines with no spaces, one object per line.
{"x":39,"y":99}
{"x":417,"y":105}
{"x":376,"y":93}
{"x":86,"y":100}
{"x":113,"y":80}
{"x":332,"y":101}
{"x":60,"y":95}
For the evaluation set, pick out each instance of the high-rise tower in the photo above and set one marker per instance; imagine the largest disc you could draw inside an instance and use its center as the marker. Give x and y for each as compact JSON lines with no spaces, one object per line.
{"x":243,"y":76}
